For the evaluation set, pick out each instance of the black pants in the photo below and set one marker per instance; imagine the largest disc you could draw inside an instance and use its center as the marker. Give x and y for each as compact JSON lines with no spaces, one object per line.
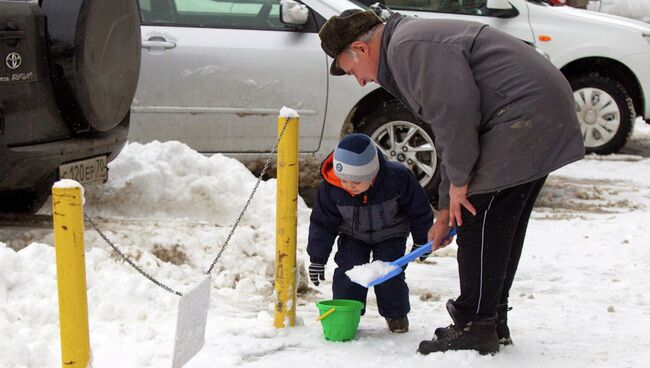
{"x":489,"y":247}
{"x":392,"y":295}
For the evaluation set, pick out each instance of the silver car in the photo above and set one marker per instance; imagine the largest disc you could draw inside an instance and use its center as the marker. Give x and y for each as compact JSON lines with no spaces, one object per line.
{"x":216,"y":73}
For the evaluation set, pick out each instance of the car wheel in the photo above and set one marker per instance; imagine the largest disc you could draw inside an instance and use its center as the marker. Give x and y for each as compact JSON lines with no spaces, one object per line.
{"x":403,"y":138}
{"x":605,"y":112}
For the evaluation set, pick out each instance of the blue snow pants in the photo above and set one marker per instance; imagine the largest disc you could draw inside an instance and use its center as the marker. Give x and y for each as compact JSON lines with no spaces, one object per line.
{"x":392,"y":295}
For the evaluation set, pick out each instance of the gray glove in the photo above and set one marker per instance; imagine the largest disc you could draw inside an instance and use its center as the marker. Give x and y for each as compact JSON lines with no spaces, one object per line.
{"x":316,"y":272}
{"x":422,"y":257}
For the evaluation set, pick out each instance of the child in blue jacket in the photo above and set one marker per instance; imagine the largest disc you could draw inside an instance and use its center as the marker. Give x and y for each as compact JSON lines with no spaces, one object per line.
{"x":371,"y":205}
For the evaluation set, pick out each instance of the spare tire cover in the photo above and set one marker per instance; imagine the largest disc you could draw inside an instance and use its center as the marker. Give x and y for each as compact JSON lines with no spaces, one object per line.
{"x":96,"y":44}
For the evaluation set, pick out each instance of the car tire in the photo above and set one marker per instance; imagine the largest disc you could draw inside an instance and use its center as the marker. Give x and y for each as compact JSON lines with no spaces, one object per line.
{"x":403,"y":138}
{"x":95,"y":47}
{"x":605,"y":112}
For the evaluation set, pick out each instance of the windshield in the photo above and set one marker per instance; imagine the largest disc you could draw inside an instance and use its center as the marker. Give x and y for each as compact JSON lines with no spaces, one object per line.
{"x":364,"y":5}
{"x":547,"y":2}
{"x":475,"y":7}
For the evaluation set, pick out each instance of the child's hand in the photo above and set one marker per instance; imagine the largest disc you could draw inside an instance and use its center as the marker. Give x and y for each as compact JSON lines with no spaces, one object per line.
{"x":316,"y":272}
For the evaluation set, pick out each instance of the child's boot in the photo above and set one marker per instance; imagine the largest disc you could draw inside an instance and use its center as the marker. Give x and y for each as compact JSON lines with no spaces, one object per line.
{"x":398,"y":325}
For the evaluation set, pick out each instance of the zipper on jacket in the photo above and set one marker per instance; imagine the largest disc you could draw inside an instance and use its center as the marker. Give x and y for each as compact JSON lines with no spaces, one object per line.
{"x":355,"y":218}
{"x":365,"y":199}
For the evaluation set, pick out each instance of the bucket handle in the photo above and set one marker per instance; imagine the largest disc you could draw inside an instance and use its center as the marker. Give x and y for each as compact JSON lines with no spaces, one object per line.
{"x":326,"y":314}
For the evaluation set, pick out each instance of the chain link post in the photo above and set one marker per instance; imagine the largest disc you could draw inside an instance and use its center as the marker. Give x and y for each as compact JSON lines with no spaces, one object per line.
{"x":71,"y":273}
{"x":286,"y":224}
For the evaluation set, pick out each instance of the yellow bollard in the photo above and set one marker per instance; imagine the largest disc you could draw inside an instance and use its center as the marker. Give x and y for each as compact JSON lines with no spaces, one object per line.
{"x":286,"y":224}
{"x":71,"y":273}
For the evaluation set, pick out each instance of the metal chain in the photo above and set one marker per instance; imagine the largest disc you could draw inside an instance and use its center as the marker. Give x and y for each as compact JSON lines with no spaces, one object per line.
{"x":241,"y":214}
{"x":232,"y":230}
{"x":125,"y":258}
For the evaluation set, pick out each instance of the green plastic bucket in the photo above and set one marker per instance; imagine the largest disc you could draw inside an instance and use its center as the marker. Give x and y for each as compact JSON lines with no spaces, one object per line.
{"x":342,"y":323}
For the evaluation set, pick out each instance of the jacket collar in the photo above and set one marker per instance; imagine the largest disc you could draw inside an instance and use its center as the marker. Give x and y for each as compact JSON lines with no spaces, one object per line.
{"x":384,"y":75}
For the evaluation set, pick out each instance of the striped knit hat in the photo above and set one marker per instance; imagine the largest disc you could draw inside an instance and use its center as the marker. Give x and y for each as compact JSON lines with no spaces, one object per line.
{"x":355,"y":158}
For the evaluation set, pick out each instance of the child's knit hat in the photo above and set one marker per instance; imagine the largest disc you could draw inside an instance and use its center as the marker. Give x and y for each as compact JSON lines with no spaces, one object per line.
{"x":355,"y":158}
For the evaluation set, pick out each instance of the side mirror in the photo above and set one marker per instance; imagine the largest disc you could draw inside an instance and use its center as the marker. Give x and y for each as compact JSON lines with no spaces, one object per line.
{"x":293,"y":13}
{"x":382,"y":11}
{"x":500,"y":9}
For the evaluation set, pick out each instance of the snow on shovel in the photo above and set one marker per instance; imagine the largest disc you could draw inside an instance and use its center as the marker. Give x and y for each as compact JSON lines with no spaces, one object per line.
{"x":371,"y":274}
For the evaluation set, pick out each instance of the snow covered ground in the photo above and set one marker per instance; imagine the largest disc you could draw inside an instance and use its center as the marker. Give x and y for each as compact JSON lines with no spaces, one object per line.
{"x":580,"y":297}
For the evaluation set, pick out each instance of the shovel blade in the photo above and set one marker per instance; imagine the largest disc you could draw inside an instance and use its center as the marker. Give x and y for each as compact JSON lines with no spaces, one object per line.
{"x":411,"y":256}
{"x":385,"y":277}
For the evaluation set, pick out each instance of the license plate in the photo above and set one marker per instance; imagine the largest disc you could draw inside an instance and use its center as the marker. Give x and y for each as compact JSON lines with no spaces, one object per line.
{"x":92,"y":170}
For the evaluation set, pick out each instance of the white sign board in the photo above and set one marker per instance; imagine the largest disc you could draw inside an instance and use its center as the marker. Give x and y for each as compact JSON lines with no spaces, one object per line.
{"x":190,"y":325}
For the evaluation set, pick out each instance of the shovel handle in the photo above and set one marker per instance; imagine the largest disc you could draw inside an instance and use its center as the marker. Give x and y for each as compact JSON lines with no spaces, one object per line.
{"x":421,"y":250}
{"x":326,"y":314}
{"x":399,"y":263}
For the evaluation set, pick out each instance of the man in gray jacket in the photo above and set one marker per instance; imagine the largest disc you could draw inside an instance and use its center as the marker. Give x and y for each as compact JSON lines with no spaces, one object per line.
{"x":503,"y":118}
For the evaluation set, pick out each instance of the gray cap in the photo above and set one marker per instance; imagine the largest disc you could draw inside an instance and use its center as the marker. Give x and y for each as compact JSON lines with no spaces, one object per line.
{"x":356,"y":158}
{"x":343,"y":29}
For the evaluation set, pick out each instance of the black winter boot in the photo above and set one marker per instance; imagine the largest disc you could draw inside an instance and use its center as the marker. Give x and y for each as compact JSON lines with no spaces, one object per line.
{"x":503,"y":332}
{"x":442,"y":332}
{"x":502,"y":324}
{"x":463,"y":335}
{"x":475,"y":335}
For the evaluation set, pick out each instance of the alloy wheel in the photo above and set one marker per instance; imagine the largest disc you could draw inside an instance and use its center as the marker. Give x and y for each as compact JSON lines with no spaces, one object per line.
{"x":409,"y":144}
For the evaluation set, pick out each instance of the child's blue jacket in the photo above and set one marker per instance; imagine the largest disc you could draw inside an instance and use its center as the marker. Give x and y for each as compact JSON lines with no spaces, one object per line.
{"x":394,"y":205}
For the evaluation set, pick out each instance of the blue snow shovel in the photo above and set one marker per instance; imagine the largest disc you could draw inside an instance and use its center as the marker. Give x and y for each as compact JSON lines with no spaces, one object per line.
{"x":399,"y":263}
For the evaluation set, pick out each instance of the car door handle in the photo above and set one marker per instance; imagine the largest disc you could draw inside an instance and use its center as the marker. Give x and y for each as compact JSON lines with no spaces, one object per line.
{"x":157,"y":43}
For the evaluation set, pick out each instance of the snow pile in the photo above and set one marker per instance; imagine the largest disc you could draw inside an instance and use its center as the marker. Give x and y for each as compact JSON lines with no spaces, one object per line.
{"x":171,"y":181}
{"x":121,"y":303}
{"x":168,"y":204}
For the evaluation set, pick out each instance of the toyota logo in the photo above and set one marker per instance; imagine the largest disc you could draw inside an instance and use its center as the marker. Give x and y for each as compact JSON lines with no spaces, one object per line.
{"x":13,"y":60}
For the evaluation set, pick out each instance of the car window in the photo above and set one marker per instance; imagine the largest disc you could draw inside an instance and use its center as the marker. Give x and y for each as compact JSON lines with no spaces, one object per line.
{"x":471,"y":7}
{"x":240,"y":14}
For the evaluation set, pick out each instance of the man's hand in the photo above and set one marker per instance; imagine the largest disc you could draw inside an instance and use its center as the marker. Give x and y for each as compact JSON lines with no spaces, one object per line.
{"x":439,"y":231}
{"x":458,"y":198}
{"x":317,"y":271}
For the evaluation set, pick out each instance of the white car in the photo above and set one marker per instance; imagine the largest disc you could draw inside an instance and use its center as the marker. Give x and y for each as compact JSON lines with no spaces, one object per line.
{"x":635,"y":9}
{"x":215,"y":73}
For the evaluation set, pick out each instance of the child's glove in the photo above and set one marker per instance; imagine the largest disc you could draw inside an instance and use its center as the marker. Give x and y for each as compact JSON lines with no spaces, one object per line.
{"x":424,"y":256}
{"x":317,"y":271}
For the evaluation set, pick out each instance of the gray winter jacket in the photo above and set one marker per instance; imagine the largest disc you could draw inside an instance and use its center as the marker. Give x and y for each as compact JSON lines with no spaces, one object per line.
{"x":502,"y":115}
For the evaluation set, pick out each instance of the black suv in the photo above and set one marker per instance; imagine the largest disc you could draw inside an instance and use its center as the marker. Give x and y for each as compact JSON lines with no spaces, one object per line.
{"x":68,"y":73}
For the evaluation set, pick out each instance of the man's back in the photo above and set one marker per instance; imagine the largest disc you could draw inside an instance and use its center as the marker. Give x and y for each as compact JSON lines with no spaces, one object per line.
{"x":501,"y":113}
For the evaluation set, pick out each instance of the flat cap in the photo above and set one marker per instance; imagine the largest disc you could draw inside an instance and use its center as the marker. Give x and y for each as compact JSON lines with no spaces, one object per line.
{"x":343,"y":29}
